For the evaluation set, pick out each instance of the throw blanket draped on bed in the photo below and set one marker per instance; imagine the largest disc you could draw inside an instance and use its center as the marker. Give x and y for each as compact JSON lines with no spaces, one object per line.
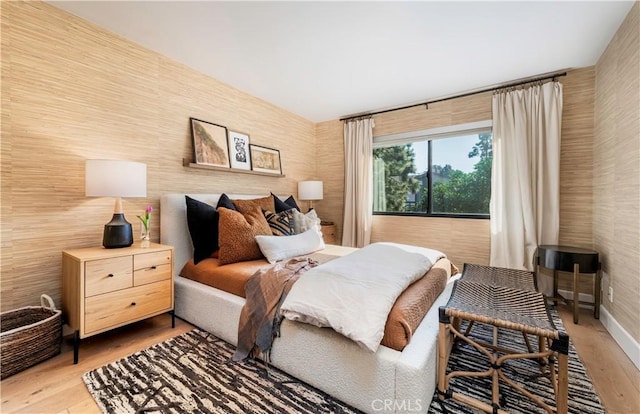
{"x":354,"y":294}
{"x":265,"y":291}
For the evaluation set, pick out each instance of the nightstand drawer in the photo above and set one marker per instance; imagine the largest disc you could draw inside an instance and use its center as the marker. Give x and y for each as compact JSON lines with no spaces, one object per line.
{"x":151,"y":267}
{"x":108,"y":275}
{"x":151,"y":274}
{"x":117,"y":308}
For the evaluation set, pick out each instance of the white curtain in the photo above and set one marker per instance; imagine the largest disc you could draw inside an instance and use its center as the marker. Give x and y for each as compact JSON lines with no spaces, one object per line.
{"x":358,"y":182}
{"x":379,"y":189}
{"x":525,"y":181}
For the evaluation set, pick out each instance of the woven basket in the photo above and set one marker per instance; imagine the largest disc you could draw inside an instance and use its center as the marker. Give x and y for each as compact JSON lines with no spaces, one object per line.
{"x":28,"y":336}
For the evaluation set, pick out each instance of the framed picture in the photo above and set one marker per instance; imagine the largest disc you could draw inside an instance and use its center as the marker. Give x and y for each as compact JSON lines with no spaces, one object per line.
{"x":209,"y":143}
{"x":239,"y":150}
{"x":265,"y":159}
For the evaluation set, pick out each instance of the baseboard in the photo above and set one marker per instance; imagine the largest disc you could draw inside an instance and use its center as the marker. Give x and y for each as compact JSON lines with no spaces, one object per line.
{"x":618,"y":333}
{"x":621,"y":336}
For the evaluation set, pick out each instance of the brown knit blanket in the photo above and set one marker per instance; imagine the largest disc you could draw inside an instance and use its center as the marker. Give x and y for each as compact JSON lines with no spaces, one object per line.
{"x":265,"y":291}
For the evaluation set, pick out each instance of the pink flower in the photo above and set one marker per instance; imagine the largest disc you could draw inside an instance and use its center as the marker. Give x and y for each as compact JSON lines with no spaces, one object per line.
{"x":146,"y":218}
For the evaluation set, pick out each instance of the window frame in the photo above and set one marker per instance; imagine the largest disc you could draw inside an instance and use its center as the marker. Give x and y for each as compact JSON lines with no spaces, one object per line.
{"x":429,"y":135}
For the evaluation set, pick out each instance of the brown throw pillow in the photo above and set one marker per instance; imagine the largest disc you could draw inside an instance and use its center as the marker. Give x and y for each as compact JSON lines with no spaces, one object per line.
{"x":237,"y":232}
{"x":265,"y":203}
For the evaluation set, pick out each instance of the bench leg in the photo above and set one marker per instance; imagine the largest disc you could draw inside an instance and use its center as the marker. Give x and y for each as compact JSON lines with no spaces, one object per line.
{"x":563,"y":381}
{"x":443,"y":360}
{"x":495,"y":378}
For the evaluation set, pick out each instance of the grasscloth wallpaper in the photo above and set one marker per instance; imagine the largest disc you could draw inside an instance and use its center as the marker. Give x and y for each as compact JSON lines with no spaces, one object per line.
{"x":616,"y":172}
{"x":73,"y":91}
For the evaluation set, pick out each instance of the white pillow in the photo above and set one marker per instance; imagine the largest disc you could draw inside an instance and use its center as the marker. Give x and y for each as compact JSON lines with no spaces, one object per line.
{"x":303,"y":222}
{"x":276,"y":248}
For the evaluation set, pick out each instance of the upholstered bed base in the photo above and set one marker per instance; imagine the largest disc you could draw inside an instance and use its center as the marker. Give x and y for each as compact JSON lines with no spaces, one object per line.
{"x":387,"y":381}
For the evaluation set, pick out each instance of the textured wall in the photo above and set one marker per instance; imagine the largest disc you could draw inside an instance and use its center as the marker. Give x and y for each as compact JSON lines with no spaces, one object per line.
{"x":576,"y":169}
{"x":73,"y":91}
{"x":616,"y":171}
{"x":468,"y":240}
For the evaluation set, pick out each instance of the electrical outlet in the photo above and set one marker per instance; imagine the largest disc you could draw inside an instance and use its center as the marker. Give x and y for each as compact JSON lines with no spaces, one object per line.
{"x":610,"y":295}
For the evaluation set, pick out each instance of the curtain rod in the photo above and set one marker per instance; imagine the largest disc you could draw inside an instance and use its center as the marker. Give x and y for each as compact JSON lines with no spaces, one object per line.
{"x":495,"y":88}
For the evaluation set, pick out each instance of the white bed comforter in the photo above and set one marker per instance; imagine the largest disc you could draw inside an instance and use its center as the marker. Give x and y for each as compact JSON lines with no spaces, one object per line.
{"x":354,"y":294}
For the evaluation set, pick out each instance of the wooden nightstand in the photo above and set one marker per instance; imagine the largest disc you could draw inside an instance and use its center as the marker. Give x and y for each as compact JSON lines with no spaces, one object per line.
{"x":103,"y":288}
{"x":328,"y":232}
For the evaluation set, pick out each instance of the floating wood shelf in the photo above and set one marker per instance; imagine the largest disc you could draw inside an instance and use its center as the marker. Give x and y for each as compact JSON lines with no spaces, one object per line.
{"x":190,"y":164}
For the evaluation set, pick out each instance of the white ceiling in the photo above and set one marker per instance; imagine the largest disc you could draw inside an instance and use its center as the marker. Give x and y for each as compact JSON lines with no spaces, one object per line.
{"x":324,"y":60}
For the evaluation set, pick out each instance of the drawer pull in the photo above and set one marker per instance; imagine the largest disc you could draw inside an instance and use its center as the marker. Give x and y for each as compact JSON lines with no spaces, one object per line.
{"x":153,"y":267}
{"x":133,"y":304}
{"x":110,"y":275}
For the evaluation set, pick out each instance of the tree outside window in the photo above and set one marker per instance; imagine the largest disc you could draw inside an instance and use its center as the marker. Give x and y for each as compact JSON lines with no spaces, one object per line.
{"x":451,"y":177}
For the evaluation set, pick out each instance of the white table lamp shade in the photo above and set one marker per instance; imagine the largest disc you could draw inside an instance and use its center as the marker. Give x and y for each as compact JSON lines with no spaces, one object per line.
{"x":115,"y":178}
{"x":310,"y":190}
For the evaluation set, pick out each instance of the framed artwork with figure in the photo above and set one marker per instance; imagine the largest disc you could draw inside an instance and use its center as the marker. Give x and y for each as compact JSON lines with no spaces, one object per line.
{"x":239,"y":153}
{"x":265,"y":160}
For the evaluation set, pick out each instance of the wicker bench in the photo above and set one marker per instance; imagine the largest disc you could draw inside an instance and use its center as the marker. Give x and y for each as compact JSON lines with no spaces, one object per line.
{"x":499,"y":276}
{"x":480,"y":296}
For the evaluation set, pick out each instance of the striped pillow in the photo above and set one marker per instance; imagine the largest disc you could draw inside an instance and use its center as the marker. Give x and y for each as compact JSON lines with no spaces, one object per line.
{"x":281,"y":223}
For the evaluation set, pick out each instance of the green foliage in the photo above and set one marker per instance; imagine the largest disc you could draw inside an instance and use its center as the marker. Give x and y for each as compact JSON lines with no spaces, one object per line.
{"x":399,"y":164}
{"x":454,"y":191}
{"x":483,"y":147}
{"x":466,"y":192}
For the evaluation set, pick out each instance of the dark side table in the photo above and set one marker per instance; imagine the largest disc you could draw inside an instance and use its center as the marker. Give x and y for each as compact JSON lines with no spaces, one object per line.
{"x":577,"y":261}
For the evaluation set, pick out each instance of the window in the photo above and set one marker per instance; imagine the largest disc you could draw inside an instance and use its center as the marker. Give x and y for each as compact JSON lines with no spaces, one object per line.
{"x":443,"y":171}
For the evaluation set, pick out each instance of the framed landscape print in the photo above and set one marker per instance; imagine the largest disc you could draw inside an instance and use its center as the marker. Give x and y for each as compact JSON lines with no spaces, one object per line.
{"x":209,"y":143}
{"x":265,"y":159}
{"x":239,"y":150}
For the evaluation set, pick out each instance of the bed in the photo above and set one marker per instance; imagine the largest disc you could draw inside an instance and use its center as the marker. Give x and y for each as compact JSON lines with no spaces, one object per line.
{"x":384,"y":381}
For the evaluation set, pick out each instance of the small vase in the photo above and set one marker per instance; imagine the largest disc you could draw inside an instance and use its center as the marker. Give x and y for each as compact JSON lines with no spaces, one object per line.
{"x":145,"y":236}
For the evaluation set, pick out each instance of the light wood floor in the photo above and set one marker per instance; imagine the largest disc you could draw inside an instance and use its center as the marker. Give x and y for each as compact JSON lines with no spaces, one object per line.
{"x":55,"y":386}
{"x":615,"y":378}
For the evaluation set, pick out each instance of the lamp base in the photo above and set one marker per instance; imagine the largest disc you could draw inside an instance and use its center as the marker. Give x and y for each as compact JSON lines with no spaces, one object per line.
{"x":117,"y":233}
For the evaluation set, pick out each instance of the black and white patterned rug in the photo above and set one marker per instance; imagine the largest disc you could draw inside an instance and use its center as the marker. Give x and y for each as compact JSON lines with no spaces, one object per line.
{"x":193,"y":373}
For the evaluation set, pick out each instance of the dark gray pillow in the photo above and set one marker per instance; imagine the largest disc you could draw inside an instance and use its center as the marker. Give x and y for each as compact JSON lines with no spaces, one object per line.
{"x":225,"y":202}
{"x":285,"y":205}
